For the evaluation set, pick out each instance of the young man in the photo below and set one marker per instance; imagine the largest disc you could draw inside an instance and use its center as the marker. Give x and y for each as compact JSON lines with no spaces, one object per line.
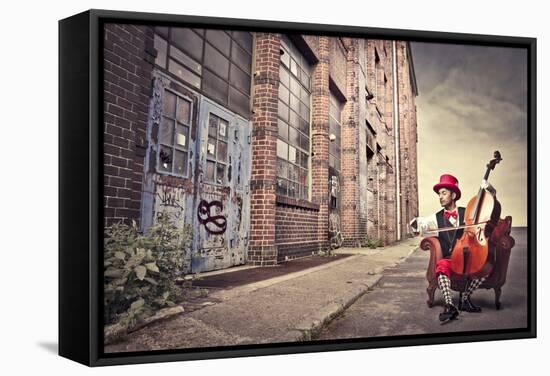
{"x":449,"y":216}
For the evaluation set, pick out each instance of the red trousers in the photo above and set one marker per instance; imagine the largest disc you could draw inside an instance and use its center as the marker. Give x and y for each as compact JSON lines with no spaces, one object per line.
{"x":443,"y":266}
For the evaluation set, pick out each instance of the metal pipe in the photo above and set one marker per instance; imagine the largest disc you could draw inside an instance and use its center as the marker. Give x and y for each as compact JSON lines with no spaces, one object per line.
{"x":396,"y":135}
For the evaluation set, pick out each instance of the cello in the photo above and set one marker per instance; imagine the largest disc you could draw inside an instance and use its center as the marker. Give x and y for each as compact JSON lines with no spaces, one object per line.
{"x":473,"y":255}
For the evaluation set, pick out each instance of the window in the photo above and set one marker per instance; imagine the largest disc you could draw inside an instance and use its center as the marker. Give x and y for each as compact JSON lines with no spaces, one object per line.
{"x":216,"y":150}
{"x":293,"y":144}
{"x":335,"y":126}
{"x":173,"y":134}
{"x":216,"y":62}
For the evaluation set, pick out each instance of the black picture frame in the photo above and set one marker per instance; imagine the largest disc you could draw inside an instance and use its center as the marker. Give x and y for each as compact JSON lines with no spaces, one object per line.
{"x":80,"y":192}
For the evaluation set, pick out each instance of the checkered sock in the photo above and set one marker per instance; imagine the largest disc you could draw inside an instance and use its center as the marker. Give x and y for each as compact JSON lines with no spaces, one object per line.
{"x":445,"y":286}
{"x":472,"y":286}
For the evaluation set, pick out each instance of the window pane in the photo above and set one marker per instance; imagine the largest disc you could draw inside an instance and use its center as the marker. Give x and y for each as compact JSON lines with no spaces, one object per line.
{"x":302,"y":176}
{"x":284,"y":77}
{"x":240,"y":79}
{"x":219,"y":39}
{"x":283,"y":111}
{"x":213,"y":125}
{"x":167,"y":131}
{"x":282,"y":149}
{"x":294,"y":119}
{"x":216,"y":62}
{"x":294,"y":86}
{"x":304,"y":112}
{"x":222,"y":151}
{"x":283,"y":93}
{"x":304,"y":96}
{"x":214,"y":86}
{"x":282,"y":168}
{"x":210,"y":169}
{"x":239,"y":102}
{"x":181,"y":57}
{"x":292,"y":189}
{"x":224,"y":128}
{"x":220,"y":173}
{"x":240,"y":57}
{"x":304,"y":142}
{"x":180,"y":163}
{"x":282,"y":187}
{"x":285,"y":58}
{"x":304,"y":126}
{"x":244,"y":39}
{"x":162,"y":48}
{"x":211,"y":147}
{"x":294,"y":103}
{"x":169,"y":104}
{"x":184,"y":111}
{"x":304,"y":160}
{"x":293,"y":136}
{"x":291,"y":154}
{"x":292,"y":172}
{"x":181,"y":136}
{"x":283,"y":129}
{"x":165,"y":159}
{"x":184,"y":73}
{"x":293,"y":67}
{"x":189,"y":41}
{"x":304,"y":79}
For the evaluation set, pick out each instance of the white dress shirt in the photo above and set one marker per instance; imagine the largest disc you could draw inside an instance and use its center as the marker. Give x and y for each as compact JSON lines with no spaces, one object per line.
{"x":423,"y":225}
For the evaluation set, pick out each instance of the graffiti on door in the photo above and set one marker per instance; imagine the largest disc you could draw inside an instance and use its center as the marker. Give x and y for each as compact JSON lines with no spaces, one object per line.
{"x":213,"y":223}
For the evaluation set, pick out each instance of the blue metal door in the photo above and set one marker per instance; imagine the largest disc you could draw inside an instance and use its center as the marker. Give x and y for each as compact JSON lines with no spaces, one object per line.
{"x":222,"y":202}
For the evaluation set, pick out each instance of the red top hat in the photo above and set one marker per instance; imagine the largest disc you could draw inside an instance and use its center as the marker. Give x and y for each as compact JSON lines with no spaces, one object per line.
{"x":449,"y":182}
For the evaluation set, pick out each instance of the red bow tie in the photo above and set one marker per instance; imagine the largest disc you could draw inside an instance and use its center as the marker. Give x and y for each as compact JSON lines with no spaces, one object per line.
{"x":448,"y":214}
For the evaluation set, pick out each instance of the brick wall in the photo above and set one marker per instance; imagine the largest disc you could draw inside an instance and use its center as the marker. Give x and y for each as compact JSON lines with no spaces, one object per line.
{"x":295,"y":231}
{"x":320,"y":101}
{"x":280,"y":227}
{"x":127,"y":83}
{"x":261,"y":247}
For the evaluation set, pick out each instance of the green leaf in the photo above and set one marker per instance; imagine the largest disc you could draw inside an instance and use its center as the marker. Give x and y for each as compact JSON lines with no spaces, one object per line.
{"x":152,"y":267}
{"x":140,"y":272}
{"x":120,"y":255}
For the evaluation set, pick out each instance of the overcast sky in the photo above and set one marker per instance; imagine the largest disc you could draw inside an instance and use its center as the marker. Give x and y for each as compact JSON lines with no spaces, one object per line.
{"x":472,"y":101}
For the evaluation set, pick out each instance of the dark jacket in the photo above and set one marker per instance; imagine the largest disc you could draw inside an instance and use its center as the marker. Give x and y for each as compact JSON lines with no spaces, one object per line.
{"x":445,"y":238}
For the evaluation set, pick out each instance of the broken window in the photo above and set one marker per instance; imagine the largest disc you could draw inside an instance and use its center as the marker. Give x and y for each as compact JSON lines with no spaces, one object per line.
{"x":174,"y":134}
{"x":216,"y":150}
{"x":293,"y":144}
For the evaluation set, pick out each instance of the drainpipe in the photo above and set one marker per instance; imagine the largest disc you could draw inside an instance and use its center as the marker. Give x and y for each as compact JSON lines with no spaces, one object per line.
{"x":396,"y":135}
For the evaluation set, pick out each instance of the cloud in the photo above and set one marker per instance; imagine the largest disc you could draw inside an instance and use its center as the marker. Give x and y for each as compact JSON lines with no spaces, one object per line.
{"x":473,"y":100}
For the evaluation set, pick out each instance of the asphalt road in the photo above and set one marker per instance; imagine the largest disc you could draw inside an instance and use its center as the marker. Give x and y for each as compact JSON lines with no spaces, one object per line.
{"x":397,"y":306}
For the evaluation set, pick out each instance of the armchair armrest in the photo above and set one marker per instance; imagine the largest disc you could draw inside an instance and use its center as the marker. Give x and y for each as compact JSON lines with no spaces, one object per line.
{"x":432,"y":244}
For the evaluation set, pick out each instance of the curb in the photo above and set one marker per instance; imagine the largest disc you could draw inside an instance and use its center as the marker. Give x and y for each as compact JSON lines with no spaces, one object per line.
{"x":311,"y":328}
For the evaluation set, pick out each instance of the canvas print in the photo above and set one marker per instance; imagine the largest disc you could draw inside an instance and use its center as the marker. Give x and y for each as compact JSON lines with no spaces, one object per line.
{"x":266,"y":188}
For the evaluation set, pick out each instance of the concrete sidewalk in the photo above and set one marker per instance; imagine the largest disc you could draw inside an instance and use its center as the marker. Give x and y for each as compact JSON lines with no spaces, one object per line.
{"x":288,"y":308}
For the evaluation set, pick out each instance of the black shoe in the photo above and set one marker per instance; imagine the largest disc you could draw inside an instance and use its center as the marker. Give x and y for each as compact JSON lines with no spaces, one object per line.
{"x":449,"y":313}
{"x":468,"y":306}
